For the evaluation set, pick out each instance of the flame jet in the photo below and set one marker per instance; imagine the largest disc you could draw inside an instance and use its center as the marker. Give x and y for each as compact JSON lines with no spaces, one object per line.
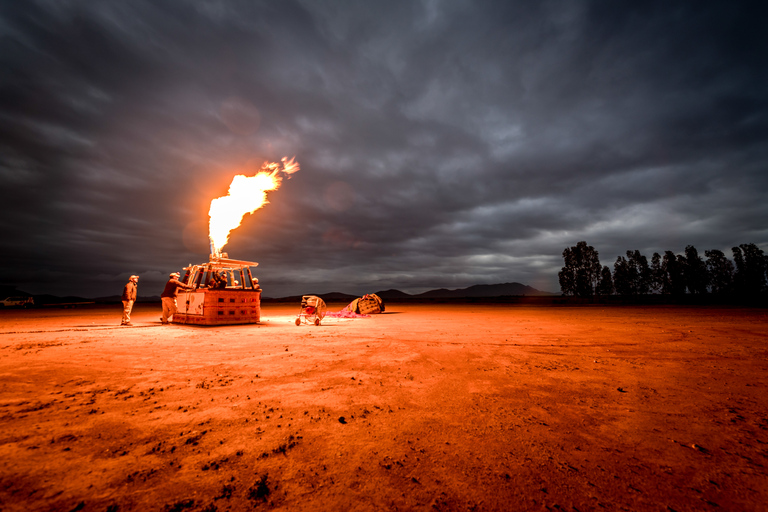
{"x":246,"y":195}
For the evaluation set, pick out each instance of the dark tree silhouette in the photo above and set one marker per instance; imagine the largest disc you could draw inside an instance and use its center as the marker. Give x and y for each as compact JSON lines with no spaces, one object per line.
{"x":622,"y":277}
{"x":605,"y":287}
{"x":640,"y":272}
{"x":657,"y":276}
{"x":751,"y":267}
{"x":632,"y":276}
{"x":720,"y":272}
{"x":670,"y":274}
{"x":695,"y":271}
{"x":581,"y":273}
{"x":672,"y":268}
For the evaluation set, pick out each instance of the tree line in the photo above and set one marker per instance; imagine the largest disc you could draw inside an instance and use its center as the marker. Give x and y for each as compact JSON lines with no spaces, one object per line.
{"x":670,"y":274}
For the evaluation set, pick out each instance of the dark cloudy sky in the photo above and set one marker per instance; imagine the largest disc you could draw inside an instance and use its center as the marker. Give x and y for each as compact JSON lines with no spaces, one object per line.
{"x":441,"y":143}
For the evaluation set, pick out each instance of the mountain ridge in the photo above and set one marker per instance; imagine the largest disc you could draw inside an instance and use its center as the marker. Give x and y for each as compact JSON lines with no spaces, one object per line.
{"x":475,"y":291}
{"x":483,"y":291}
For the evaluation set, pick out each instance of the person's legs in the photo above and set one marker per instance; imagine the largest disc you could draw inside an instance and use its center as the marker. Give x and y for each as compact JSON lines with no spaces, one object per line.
{"x":173,"y":307}
{"x":167,"y":304}
{"x":127,"y":307}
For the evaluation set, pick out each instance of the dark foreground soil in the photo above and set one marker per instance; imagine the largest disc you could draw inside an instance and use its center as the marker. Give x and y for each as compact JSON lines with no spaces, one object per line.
{"x":425,"y":407}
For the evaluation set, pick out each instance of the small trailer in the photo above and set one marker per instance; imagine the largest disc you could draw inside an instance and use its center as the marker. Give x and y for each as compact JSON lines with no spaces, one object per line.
{"x":312,"y":310}
{"x":224,"y":292}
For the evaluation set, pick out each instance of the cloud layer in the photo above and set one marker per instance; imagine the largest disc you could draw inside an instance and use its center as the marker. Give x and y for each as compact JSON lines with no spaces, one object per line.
{"x":441,"y":144}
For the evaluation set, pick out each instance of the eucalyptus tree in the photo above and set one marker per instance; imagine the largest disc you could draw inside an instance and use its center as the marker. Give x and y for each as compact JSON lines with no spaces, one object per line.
{"x":695,"y":271}
{"x":657,"y":277}
{"x":640,"y":272}
{"x":672,"y":273}
{"x":751,"y":267}
{"x":622,"y":277}
{"x":719,"y":272}
{"x":605,"y":287}
{"x":581,"y":273}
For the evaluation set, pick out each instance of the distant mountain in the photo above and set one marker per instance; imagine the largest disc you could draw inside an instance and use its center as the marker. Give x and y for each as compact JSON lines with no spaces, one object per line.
{"x":477,"y":291}
{"x":11,"y":291}
{"x":43,"y":300}
{"x":336,"y":296}
{"x":327,"y":297}
{"x":484,"y":290}
{"x":393,"y":294}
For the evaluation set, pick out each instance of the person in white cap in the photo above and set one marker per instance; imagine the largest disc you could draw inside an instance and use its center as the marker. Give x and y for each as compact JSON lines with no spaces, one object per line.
{"x":170,"y":292}
{"x":129,"y":297}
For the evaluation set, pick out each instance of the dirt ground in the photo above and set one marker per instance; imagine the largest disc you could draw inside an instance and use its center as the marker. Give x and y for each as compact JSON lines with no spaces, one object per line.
{"x":425,"y":407}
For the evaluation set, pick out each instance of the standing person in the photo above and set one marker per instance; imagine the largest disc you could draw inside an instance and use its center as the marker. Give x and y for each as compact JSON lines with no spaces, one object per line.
{"x":129,"y":297}
{"x":169,"y":295}
{"x":218,"y":281}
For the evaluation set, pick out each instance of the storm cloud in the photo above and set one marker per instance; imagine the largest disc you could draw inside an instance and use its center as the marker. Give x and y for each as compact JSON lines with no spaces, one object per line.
{"x":441,"y":143}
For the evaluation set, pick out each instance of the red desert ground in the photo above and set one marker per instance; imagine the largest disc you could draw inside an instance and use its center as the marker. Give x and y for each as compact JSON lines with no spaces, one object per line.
{"x":424,"y":407}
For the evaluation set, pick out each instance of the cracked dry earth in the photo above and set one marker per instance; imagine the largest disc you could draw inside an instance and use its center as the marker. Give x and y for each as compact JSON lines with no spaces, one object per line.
{"x":425,"y":407}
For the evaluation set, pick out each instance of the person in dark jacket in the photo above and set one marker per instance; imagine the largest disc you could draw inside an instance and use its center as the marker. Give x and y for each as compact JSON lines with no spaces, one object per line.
{"x":218,"y":281}
{"x":128,"y":298}
{"x":170,"y":292}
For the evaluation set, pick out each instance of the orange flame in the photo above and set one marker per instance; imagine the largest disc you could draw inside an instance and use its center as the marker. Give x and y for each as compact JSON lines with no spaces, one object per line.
{"x":246,"y":195}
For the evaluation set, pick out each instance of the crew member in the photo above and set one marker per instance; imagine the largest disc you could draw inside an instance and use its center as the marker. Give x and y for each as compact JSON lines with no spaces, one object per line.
{"x":218,"y":281}
{"x":169,"y":295}
{"x":129,"y":297}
